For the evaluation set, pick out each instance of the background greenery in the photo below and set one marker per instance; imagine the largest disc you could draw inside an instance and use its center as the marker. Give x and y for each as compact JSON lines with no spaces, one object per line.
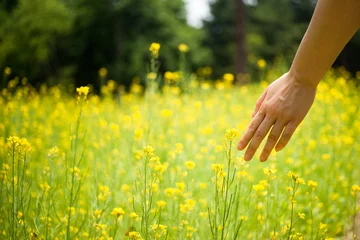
{"x":69,"y":41}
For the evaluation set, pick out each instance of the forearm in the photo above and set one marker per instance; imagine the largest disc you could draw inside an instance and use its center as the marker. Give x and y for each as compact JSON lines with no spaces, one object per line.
{"x":333,"y":24}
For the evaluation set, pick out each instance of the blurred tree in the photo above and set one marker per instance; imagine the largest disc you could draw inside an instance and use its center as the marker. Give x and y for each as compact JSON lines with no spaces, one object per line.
{"x":28,"y":34}
{"x":240,"y":37}
{"x":60,"y":40}
{"x":146,"y":21}
{"x":273,"y":28}
{"x":220,"y":37}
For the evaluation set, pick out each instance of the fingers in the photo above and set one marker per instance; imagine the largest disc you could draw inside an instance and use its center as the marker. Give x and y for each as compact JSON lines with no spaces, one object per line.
{"x":257,"y":138}
{"x":271,"y":140}
{"x":250,"y":131}
{"x":287,"y":134}
{"x":259,"y":103}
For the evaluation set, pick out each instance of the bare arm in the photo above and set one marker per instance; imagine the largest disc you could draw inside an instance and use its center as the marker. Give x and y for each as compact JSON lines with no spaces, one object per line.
{"x":333,"y":24}
{"x":286,"y":101}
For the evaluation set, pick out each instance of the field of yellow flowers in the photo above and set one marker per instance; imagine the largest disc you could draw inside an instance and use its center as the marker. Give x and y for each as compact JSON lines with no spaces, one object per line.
{"x":163,"y":165}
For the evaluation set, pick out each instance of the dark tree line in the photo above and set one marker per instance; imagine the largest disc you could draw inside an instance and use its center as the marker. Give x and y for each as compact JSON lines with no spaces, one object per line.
{"x":63,"y":41}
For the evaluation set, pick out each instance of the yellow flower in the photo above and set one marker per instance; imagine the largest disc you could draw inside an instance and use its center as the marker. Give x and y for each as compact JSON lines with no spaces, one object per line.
{"x":7,"y":71}
{"x":82,"y":90}
{"x":284,"y":229}
{"x":18,"y":144}
{"x":300,"y":180}
{"x":53,"y":152}
{"x":231,"y":134}
{"x":118,"y":212}
{"x":45,"y":186}
{"x":161,"y":203}
{"x":103,"y":72}
{"x":268,"y":171}
{"x":261,"y":63}
{"x":259,"y":187}
{"x":190,"y":165}
{"x":149,"y":151}
{"x":322,"y":226}
{"x":151,"y":75}
{"x":154,"y":161}
{"x":183,"y":47}
{"x":171,"y":76}
{"x":228,"y":77}
{"x":169,"y":192}
{"x":217,"y":167}
{"x":301,"y":215}
{"x":312,"y":184}
{"x":180,"y":185}
{"x":98,"y":213}
{"x":5,"y":166}
{"x":134,"y":235}
{"x":243,"y":218}
{"x":355,"y":189}
{"x":241,"y":174}
{"x":154,"y":187}
{"x":154,"y":49}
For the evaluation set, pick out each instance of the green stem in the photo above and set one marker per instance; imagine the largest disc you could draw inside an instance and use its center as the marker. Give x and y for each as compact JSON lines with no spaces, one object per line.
{"x":115,"y":228}
{"x":226,"y":207}
{"x":13,"y":193}
{"x":216,"y":205}
{"x":292,"y":210}
{"x":73,"y":172}
{"x":354,"y":223}
{"x":311,"y":216}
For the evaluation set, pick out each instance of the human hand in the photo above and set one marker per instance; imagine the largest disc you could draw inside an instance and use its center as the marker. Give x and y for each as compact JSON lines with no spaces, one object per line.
{"x":281,"y":108}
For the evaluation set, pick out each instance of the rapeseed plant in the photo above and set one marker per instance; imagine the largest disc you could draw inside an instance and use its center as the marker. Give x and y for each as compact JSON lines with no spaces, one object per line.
{"x":196,"y":186}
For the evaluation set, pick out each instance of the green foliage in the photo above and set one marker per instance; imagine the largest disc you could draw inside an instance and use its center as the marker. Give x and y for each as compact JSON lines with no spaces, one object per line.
{"x":220,"y":36}
{"x":273,"y":24}
{"x":60,"y":40}
{"x":28,"y":34}
{"x":273,"y":28}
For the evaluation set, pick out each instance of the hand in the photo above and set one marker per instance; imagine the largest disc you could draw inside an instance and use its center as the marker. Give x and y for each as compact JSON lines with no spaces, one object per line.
{"x":281,"y":108}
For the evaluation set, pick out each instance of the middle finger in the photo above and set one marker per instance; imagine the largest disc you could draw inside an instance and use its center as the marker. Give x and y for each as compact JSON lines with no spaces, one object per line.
{"x":259,"y":135}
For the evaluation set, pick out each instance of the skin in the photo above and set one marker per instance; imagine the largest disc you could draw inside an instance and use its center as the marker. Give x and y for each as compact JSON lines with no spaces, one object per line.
{"x":286,"y":101}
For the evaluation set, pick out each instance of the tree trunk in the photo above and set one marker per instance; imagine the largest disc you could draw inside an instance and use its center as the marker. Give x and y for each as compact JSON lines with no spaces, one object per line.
{"x":240,"y":40}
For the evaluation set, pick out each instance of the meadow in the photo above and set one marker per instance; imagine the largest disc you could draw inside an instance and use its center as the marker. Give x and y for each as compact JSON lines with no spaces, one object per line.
{"x":150,"y":164}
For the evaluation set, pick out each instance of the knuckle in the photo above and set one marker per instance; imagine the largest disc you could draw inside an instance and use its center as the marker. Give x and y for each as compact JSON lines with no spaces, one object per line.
{"x":288,"y":115}
{"x":250,"y":150}
{"x":257,"y":103}
{"x":252,"y":127}
{"x":272,"y":137}
{"x":259,"y":135}
{"x":286,"y":137}
{"x":264,"y":108}
{"x":273,"y":111}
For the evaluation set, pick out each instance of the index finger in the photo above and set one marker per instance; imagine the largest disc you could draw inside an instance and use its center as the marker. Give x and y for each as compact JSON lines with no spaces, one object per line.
{"x":250,"y":131}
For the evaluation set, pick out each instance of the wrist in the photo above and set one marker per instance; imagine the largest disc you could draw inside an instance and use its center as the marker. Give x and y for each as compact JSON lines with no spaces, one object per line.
{"x":303,"y":80}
